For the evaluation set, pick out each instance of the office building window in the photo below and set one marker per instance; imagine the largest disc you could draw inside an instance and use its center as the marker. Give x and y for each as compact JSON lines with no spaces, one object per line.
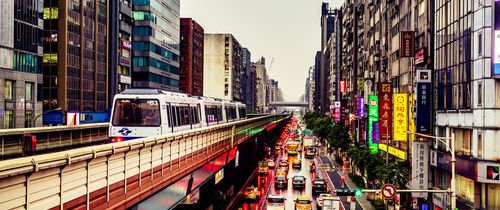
{"x":28,"y":119}
{"x":9,"y":90}
{"x":28,"y":91}
{"x":8,"y":119}
{"x":480,"y":145}
{"x":479,"y":94}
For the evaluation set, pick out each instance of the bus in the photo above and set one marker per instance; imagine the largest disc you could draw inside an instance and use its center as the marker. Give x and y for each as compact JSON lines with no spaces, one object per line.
{"x":292,"y":148}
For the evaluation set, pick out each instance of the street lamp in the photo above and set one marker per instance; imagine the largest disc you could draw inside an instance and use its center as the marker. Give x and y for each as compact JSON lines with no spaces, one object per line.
{"x":452,"y":151}
{"x":53,"y":110}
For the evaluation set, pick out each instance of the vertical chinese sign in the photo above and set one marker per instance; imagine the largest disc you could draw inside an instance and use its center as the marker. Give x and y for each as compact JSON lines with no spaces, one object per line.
{"x":372,"y":117}
{"x":400,"y":116}
{"x":420,"y":168}
{"x":424,"y":101}
{"x":385,"y":110}
{"x":360,"y":101}
{"x":337,"y":110}
{"x":407,"y":41}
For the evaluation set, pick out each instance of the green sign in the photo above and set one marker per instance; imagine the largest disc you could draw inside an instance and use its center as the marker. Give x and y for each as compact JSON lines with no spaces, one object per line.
{"x":372,"y":117}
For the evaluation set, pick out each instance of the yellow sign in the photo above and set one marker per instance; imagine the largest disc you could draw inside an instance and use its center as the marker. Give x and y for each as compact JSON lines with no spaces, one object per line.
{"x":393,"y":151}
{"x":400,"y":116}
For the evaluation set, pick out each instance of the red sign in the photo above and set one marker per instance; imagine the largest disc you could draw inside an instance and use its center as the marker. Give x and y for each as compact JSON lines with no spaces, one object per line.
{"x":407,"y":43}
{"x":126,"y":44}
{"x":385,"y":111}
{"x":342,"y":86}
{"x":420,"y":55}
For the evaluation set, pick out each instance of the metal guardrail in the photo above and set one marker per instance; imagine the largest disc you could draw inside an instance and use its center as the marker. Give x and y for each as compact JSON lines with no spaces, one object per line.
{"x":51,"y":138}
{"x":106,"y":172}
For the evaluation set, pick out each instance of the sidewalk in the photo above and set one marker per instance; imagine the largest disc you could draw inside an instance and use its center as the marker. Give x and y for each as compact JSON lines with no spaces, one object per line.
{"x":334,"y":175}
{"x":365,"y":204}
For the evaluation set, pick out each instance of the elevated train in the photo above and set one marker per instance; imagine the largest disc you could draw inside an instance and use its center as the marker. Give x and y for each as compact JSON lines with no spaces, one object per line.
{"x":139,"y":113}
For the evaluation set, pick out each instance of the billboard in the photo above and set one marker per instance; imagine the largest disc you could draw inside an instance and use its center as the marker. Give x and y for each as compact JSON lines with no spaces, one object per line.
{"x":376,"y":132}
{"x":342,"y":86}
{"x":385,"y":110}
{"x":372,"y":117}
{"x":400,"y":116}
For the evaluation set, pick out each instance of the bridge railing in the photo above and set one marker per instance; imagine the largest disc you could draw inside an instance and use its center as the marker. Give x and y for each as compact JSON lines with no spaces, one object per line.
{"x":14,"y":141}
{"x":117,"y":175}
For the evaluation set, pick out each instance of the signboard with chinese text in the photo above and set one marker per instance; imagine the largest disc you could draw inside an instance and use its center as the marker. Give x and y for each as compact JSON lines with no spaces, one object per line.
{"x":420,"y":167}
{"x":360,"y":101}
{"x":372,"y":117}
{"x":407,"y":43}
{"x":393,"y":151}
{"x":342,"y":86}
{"x":400,"y":116}
{"x":337,"y":111}
{"x":423,"y":118}
{"x":420,"y":55}
{"x":385,"y":110}
{"x":376,"y":132}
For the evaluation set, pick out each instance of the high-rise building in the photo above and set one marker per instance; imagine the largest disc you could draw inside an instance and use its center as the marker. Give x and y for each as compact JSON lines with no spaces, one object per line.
{"x":467,"y":100}
{"x":327,"y":28}
{"x":75,"y":55}
{"x":223,"y":66}
{"x":20,"y":62}
{"x":317,"y":82}
{"x":191,"y":61}
{"x":252,"y":88}
{"x":245,"y":77}
{"x":156,"y":40}
{"x":261,"y":84}
{"x":120,"y":47}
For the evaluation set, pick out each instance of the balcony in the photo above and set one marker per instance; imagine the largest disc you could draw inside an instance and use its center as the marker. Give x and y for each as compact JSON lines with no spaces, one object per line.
{"x":125,"y":9}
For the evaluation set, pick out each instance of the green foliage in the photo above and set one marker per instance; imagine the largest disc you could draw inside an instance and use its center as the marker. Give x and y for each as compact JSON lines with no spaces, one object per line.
{"x":378,"y":204}
{"x":358,"y":180}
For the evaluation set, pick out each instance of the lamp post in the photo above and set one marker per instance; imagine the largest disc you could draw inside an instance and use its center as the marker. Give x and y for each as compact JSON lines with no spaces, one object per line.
{"x":452,"y":151}
{"x":53,"y":110}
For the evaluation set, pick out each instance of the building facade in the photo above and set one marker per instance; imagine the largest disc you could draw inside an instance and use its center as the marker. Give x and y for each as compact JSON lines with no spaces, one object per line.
{"x":327,"y":28}
{"x":191,"y":60}
{"x":156,"y":40}
{"x":317,"y":82}
{"x":120,"y":47}
{"x":223,"y":66}
{"x":20,"y":63}
{"x":75,"y":55}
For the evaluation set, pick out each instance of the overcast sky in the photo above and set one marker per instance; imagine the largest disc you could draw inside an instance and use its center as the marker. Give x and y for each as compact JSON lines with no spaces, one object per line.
{"x":286,"y":30}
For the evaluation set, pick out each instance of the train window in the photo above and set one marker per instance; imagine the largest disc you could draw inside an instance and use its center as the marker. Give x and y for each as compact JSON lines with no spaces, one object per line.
{"x":169,"y":116}
{"x":136,"y":112}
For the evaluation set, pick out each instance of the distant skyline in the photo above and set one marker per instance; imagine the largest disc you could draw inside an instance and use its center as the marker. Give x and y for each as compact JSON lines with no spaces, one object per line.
{"x":288,"y":31}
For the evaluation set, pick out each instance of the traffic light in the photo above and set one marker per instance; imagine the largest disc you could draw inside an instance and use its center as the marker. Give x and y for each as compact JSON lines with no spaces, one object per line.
{"x":348,"y":192}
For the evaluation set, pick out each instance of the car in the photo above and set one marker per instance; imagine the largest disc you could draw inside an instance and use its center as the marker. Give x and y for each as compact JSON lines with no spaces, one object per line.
{"x":319,"y":186}
{"x":303,"y":203}
{"x":270,"y":163}
{"x":252,"y":193}
{"x":297,"y":164}
{"x":319,"y":199}
{"x":283,"y":164}
{"x":282,"y":171}
{"x":275,"y":202}
{"x":280,"y":181}
{"x":298,"y":181}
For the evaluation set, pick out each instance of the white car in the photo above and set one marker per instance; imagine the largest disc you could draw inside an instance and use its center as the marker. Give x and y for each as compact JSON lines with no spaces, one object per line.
{"x":319,"y":200}
{"x":275,"y":202}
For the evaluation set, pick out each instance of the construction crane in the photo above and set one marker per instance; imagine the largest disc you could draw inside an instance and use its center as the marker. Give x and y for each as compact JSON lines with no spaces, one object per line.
{"x":270,"y":65}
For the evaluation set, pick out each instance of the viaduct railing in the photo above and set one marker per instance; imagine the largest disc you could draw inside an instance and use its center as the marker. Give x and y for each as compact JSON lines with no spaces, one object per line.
{"x":118,"y":175}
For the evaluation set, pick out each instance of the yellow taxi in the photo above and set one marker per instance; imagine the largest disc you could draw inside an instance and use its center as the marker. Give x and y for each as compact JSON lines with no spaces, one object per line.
{"x":303,"y":203}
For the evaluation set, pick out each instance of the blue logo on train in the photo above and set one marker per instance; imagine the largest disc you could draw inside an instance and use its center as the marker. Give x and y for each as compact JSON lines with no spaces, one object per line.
{"x":125,"y":131}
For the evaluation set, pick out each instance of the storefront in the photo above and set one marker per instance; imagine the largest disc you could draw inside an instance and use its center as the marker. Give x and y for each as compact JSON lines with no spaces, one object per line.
{"x":488,"y":174}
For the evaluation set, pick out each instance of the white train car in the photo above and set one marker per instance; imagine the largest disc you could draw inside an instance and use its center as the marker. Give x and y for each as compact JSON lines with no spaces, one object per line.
{"x":139,"y":113}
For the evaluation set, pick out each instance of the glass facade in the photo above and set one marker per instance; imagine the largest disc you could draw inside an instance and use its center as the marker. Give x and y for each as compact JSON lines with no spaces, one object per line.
{"x":85,"y":58}
{"x":160,"y":25}
{"x":453,"y":44}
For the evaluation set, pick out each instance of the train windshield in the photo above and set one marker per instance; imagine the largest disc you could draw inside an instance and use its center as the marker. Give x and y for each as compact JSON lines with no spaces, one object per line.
{"x":136,"y":112}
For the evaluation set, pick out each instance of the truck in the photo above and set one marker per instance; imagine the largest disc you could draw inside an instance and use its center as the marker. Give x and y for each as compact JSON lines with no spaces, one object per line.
{"x":331,"y":203}
{"x":263,"y":167}
{"x":309,"y":147}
